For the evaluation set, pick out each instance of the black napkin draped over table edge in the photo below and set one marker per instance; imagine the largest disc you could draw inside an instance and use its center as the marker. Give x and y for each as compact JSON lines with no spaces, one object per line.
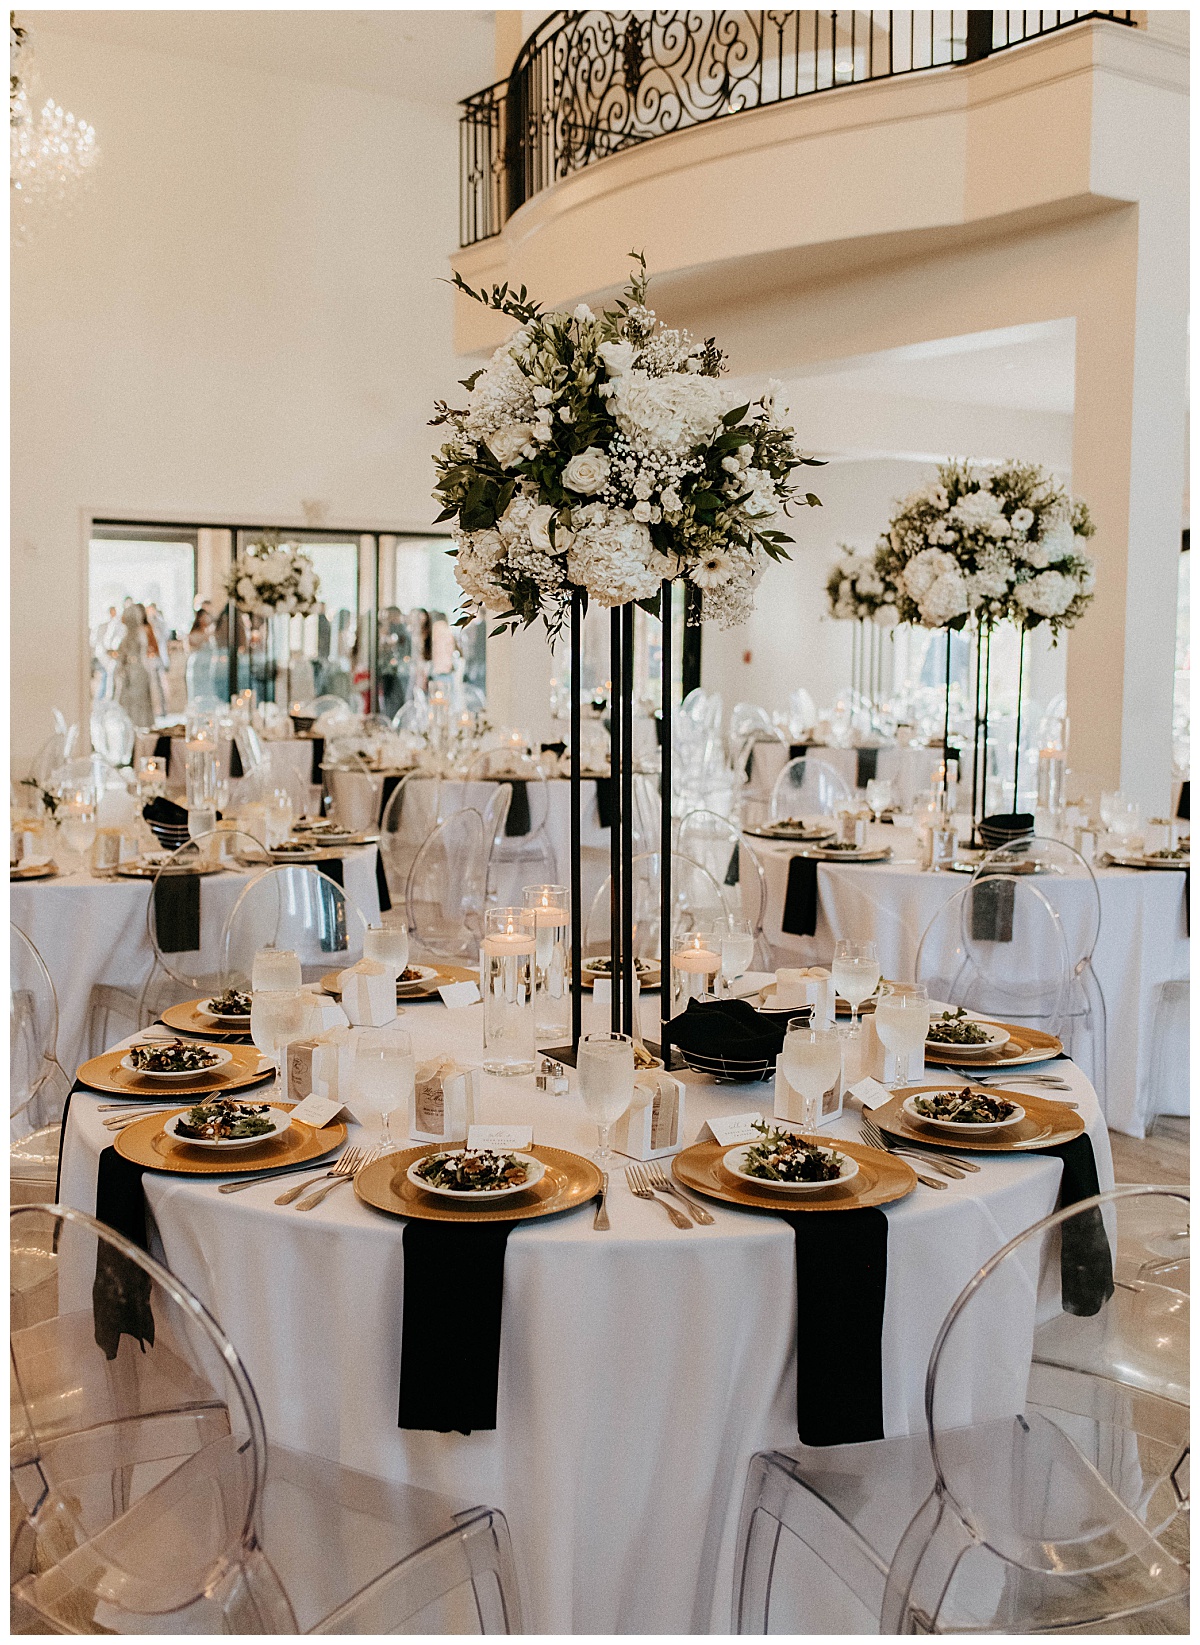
{"x":800,"y":900}
{"x":518,"y":821}
{"x":866,"y":766}
{"x":177,"y":913}
{"x":604,"y":800}
{"x":162,"y":810}
{"x":450,"y":1358}
{"x":841,"y":1287}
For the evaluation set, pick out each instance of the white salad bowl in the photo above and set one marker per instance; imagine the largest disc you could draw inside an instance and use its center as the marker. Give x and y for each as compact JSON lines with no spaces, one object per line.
{"x":734,"y":1159}
{"x":279,"y":1117}
{"x":963,"y":1128}
{"x":220,"y":1057}
{"x":468,"y":1196}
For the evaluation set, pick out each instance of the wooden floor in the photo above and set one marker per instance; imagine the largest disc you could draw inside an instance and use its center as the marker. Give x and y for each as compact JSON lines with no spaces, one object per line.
{"x":1159,"y":1158}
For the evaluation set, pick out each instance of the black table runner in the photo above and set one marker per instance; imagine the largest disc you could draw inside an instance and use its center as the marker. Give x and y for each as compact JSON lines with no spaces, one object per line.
{"x":604,"y":801}
{"x":177,"y":913}
{"x":450,"y":1354}
{"x":120,"y":1290}
{"x":867,"y":766}
{"x":841,"y":1285}
{"x":1086,"y":1267}
{"x":518,"y":821}
{"x":800,"y":901}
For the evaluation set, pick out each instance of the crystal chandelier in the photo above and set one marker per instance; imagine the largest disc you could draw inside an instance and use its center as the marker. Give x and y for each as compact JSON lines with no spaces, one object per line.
{"x":52,"y":154}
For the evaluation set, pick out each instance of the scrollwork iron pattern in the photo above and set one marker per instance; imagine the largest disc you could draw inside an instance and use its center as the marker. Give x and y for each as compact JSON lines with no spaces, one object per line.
{"x":588,"y":84}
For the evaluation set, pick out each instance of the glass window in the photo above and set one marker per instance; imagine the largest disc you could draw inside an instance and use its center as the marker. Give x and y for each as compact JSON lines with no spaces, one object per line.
{"x":1181,"y":735}
{"x":141,"y":589}
{"x":419,"y":602}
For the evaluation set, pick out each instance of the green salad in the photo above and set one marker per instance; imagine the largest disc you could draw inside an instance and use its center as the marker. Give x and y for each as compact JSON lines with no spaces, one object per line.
{"x":782,"y":1156}
{"x":224,"y":1120}
{"x":234,"y":1002}
{"x":472,"y":1172}
{"x":172,"y":1057}
{"x":965,"y":1107}
{"x":954,"y":1028}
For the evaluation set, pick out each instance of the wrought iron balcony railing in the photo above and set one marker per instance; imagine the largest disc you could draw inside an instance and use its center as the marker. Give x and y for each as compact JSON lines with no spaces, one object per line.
{"x":588,"y":84}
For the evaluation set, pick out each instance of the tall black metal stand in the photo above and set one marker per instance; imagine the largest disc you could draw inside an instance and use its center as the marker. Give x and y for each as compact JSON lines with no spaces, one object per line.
{"x":664,"y":858}
{"x":1017,"y":749}
{"x":946,"y":726}
{"x":576,"y":866}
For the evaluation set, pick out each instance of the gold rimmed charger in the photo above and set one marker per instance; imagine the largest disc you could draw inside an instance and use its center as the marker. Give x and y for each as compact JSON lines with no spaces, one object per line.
{"x":147,"y":1143}
{"x":646,"y":979}
{"x":1024,"y":1046}
{"x":881,"y":1178}
{"x":188,"y":1018}
{"x":149,"y":870}
{"x":569,"y":1181}
{"x":104,"y":1073}
{"x":1046,"y":1124}
{"x":39,"y":871}
{"x":410,"y":990}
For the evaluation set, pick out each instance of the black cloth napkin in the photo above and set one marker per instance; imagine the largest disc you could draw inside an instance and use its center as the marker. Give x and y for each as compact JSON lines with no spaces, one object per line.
{"x":731,"y":1028}
{"x":331,"y":911}
{"x":1087,"y":1276}
{"x":120,"y":1290}
{"x":450,"y":1341}
{"x":604,"y":800}
{"x":992,"y":902}
{"x":841,"y":1283}
{"x":867,"y":766}
{"x":1184,"y":808}
{"x":800,"y":902}
{"x":558,"y":748}
{"x":165,"y":811}
{"x":316,"y":775}
{"x":177,"y":913}
{"x":381,"y":885}
{"x":735,"y":864}
{"x":235,"y":761}
{"x":518,"y":822}
{"x":389,"y":788}
{"x":797,"y":751}
{"x":162,"y":751}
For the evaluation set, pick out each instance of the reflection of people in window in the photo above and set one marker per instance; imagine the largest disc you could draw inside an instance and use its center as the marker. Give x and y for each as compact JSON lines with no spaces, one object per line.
{"x":395,"y":661}
{"x":324,"y":640}
{"x":156,"y":657}
{"x":132,"y":675}
{"x":422,"y":647}
{"x":441,"y":644}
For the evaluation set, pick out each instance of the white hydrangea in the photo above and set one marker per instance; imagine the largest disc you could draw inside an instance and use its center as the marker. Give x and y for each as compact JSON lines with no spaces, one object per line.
{"x":947,"y":598}
{"x":731,"y":601}
{"x":613,"y":556}
{"x":992,"y":574}
{"x":671,"y":414}
{"x":763,"y":501}
{"x":885,"y":616}
{"x":479,"y":553}
{"x":1048,"y":594}
{"x":1058,"y":543}
{"x":924,"y":569}
{"x":980,"y":510}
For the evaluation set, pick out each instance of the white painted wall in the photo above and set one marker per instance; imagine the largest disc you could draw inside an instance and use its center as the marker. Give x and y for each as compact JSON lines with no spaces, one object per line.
{"x":244,"y":312}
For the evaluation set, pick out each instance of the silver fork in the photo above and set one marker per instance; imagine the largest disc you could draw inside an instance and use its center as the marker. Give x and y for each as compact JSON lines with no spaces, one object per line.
{"x":872,"y":1139}
{"x":639,"y":1186}
{"x":656,"y":1177}
{"x":346,"y":1164}
{"x":936,"y":1160}
{"x":311,"y":1201}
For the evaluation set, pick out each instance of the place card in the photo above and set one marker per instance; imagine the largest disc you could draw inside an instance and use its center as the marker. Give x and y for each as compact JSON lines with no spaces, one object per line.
{"x":869,"y":1092}
{"x":460,"y":993}
{"x":317,"y":1110}
{"x":500,"y":1137}
{"x":731,"y":1128}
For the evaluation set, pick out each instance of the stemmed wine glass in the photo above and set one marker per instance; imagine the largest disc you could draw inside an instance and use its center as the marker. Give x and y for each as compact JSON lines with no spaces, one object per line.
{"x":384,"y":1082}
{"x":902,"y":1023}
{"x":879,"y":795}
{"x":388,"y":944}
{"x":811,"y":1060}
{"x":77,"y":823}
{"x":735,"y":942}
{"x":855,"y":974}
{"x":605,"y":1068}
{"x":277,"y":1015}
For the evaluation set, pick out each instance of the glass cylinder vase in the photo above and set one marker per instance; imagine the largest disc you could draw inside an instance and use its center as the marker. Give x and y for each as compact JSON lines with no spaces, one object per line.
{"x":507,"y":964}
{"x":550,"y":906}
{"x":695,"y":965}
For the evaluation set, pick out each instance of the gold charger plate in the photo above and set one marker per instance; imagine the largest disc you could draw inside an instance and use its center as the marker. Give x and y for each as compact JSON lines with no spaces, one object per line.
{"x":147,"y":871}
{"x":189,"y":1019}
{"x":43,"y":871}
{"x":816,"y":853}
{"x":569,"y":1181}
{"x":1045,"y":1125}
{"x":881,"y":1178}
{"x":146,"y":1143}
{"x":409,"y":990}
{"x":1025,"y":1046}
{"x":104,"y":1073}
{"x":651,"y":979}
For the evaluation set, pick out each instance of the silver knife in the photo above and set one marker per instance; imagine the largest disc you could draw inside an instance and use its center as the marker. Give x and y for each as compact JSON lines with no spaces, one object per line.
{"x":600,"y":1220}
{"x":270,"y":1175}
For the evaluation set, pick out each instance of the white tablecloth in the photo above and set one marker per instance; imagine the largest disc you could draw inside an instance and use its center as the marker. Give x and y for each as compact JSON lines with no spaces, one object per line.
{"x":292,"y":754}
{"x":1143,"y":944}
{"x":640,"y":1369}
{"x":92,"y":931}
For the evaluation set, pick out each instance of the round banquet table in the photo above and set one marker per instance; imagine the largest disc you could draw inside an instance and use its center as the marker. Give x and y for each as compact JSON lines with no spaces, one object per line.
{"x":639,"y":1369}
{"x":92,"y":931}
{"x":1143,"y":944}
{"x":910,"y":771}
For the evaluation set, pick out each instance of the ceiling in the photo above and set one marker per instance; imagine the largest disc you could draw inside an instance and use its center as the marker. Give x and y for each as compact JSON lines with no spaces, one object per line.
{"x":1018,"y":368}
{"x":422,"y":56}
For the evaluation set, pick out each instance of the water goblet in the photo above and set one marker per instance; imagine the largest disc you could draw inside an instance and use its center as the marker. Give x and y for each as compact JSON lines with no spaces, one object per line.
{"x":736,"y":946}
{"x":77,"y":824}
{"x":605,"y":1068}
{"x":277,"y":1015}
{"x":389,"y":945}
{"x":384,"y":1083}
{"x":879,"y":795}
{"x":902,"y":1023}
{"x":811,"y":1060}
{"x":855,"y":974}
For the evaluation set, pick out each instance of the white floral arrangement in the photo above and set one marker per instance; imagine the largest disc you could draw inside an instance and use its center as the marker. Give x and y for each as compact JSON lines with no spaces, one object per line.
{"x":857,"y":590}
{"x":1006,"y":542}
{"x":274,"y":579}
{"x":601,"y":453}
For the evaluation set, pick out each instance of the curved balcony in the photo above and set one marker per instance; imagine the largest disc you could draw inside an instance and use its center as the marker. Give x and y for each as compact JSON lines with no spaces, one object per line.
{"x":588,"y":85}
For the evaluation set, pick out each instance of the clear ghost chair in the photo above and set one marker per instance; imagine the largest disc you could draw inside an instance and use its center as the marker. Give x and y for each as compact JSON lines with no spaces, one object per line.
{"x":749,"y":724}
{"x":38,"y":1085}
{"x":712,"y":841}
{"x":807,"y":787}
{"x":447,"y":888}
{"x":521,"y":852}
{"x":354,"y":788}
{"x":182,"y":906}
{"x":697,"y":904}
{"x":418,"y":803}
{"x":998,"y":947}
{"x":1085,"y":1017}
{"x":414,"y":714}
{"x":1048,"y":1492}
{"x":295,"y":907}
{"x":146,"y":1498}
{"x":113,"y":734}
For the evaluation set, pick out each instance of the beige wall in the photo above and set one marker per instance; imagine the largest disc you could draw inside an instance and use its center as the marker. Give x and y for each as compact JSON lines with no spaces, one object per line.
{"x":1048,"y":183}
{"x":245,"y":313}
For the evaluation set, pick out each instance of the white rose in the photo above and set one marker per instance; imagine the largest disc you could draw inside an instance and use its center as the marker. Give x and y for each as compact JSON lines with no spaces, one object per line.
{"x":539,"y":527}
{"x":583,"y":312}
{"x":587,"y":472}
{"x":617,"y":357}
{"x":671,"y":499}
{"x":542,"y":396}
{"x":641,"y":513}
{"x":1048,"y":595}
{"x":508,"y":443}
